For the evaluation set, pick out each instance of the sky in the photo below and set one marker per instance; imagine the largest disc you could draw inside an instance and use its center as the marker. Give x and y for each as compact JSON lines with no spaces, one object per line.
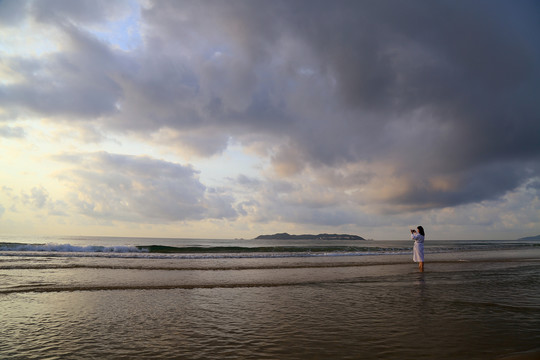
{"x":230,"y":119}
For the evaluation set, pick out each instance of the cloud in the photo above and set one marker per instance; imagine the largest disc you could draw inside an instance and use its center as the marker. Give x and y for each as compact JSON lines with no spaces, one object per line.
{"x":293,"y":202}
{"x":12,"y":12}
{"x":40,"y":200}
{"x":12,"y":132}
{"x":140,"y":189}
{"x":425,"y":105}
{"x":515,"y":212}
{"x":81,"y":12}
{"x":75,"y":83}
{"x":38,"y":197}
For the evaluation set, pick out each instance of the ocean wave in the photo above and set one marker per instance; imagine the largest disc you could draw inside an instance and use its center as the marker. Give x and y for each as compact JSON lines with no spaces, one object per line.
{"x":197,"y":251}
{"x":201,"y":256}
{"x":68,"y":248}
{"x":236,"y":252}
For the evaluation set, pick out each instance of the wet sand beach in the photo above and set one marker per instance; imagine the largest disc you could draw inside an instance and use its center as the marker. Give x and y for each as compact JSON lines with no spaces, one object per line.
{"x":468,"y":304}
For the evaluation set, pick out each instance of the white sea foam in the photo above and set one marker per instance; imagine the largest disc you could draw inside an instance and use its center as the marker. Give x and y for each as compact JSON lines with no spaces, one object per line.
{"x":68,"y":248}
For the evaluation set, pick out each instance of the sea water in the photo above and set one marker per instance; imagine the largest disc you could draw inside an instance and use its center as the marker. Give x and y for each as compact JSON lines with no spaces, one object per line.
{"x":137,"y":298}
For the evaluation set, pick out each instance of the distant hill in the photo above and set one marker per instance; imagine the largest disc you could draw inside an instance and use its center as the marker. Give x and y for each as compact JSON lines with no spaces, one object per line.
{"x":537,"y":237}
{"x":285,"y":236}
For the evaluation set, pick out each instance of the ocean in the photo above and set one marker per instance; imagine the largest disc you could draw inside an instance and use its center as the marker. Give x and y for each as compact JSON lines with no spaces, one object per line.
{"x":149,"y":298}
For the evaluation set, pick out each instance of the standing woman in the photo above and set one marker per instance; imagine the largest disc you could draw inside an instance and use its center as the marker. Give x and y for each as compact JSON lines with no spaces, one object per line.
{"x":418,"y":250}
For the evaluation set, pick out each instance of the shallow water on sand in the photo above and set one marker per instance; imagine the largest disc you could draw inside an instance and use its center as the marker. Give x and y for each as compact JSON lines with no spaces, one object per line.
{"x":475,"y":305}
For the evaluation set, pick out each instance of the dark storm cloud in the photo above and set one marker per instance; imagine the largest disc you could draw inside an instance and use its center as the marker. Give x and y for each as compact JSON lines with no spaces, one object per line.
{"x":470,"y":65}
{"x":472,"y":68}
{"x":434,"y":92}
{"x":489,"y":181}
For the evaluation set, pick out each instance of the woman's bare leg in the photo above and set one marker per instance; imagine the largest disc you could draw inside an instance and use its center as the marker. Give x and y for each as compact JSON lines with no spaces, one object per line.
{"x":421,"y":266}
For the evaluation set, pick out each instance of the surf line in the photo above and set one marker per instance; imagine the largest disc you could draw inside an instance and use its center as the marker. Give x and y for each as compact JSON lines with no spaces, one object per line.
{"x":58,"y":289}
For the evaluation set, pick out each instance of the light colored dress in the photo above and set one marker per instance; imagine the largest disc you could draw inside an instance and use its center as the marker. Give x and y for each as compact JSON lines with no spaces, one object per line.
{"x":418,"y":250}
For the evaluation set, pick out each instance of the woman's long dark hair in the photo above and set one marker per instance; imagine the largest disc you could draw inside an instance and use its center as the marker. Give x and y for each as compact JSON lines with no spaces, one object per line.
{"x":421,"y":230}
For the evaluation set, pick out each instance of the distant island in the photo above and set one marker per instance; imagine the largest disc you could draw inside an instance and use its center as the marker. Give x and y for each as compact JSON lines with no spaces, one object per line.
{"x":537,"y":237}
{"x":285,"y":236}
